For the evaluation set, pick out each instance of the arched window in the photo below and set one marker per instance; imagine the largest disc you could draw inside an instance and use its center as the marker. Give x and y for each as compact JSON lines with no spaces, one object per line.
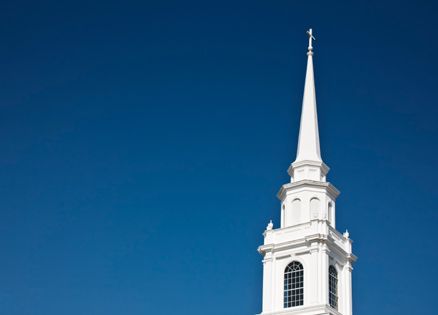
{"x":293,"y":284}
{"x":314,"y":207}
{"x":333,"y":287}
{"x":330,"y":212}
{"x":295,"y":217}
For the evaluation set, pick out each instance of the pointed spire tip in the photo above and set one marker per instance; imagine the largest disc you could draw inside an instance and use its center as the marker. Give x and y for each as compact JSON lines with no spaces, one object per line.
{"x":311,"y":38}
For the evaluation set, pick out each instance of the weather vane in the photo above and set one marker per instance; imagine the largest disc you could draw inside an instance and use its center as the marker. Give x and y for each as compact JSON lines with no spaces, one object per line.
{"x":311,"y":37}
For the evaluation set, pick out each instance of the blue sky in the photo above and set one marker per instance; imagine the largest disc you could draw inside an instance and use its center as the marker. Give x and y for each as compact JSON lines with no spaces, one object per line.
{"x":142,"y":145}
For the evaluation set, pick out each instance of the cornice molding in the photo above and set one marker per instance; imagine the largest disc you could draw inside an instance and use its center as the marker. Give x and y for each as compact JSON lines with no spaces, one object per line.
{"x":306,"y":241}
{"x":331,"y":190}
{"x":324,"y":167}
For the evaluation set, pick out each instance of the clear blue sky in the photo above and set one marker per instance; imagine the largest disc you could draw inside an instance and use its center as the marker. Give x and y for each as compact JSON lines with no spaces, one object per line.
{"x":142,"y":145}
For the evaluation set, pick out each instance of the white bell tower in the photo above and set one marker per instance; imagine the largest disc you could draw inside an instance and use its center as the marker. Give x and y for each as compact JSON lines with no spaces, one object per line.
{"x":307,"y":263}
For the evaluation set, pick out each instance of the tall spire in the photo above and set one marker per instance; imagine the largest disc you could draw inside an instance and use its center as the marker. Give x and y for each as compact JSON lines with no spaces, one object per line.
{"x":308,"y":141}
{"x":308,"y":151}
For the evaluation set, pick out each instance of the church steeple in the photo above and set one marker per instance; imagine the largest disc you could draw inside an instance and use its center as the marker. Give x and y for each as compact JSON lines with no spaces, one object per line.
{"x":308,"y":141}
{"x":307,"y":263}
{"x":308,"y":151}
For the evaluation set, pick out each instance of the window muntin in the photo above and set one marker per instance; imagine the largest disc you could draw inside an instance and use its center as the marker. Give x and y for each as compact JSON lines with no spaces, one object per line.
{"x":333,"y":287}
{"x":293,"y":285}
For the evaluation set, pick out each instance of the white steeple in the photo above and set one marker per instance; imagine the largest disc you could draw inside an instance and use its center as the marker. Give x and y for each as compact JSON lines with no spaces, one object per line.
{"x":307,"y":263}
{"x":308,"y":163}
{"x":308,"y":141}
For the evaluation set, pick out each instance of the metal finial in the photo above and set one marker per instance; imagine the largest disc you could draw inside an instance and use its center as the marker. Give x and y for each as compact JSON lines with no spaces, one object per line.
{"x":311,"y":37}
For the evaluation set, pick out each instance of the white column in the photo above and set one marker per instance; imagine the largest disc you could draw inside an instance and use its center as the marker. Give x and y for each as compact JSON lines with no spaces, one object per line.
{"x":267,"y":282}
{"x":320,"y":272}
{"x":311,"y":294}
{"x":324,"y":275}
{"x":348,"y":301}
{"x":277,"y":286}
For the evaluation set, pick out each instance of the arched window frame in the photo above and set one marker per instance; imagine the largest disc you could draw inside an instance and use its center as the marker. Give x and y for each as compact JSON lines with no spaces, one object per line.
{"x":293,"y":284}
{"x":333,"y":287}
{"x":315,"y":207}
{"x":330,"y":212}
{"x":295,"y":214}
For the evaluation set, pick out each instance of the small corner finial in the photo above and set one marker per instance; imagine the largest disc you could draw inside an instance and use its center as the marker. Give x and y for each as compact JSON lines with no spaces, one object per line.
{"x":270,"y":225}
{"x":311,"y":37}
{"x":346,"y":234}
